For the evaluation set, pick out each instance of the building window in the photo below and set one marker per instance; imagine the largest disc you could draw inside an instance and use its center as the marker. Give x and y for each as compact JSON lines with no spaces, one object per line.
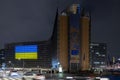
{"x":91,"y":47}
{"x":103,"y":55}
{"x":96,"y":62}
{"x":92,"y":50}
{"x":104,"y":47}
{"x":102,"y":62}
{"x":97,"y":53}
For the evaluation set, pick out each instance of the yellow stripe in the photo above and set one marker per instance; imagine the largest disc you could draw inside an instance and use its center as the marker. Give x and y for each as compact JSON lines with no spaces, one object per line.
{"x":26,"y":56}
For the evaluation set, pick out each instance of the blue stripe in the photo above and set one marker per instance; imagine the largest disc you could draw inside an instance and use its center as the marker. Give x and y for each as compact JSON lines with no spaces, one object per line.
{"x":28,"y":48}
{"x":26,"y":53}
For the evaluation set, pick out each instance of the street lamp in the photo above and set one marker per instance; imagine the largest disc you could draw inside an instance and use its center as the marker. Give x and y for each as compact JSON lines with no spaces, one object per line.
{"x":19,"y":59}
{"x":11,"y":64}
{"x":60,"y":69}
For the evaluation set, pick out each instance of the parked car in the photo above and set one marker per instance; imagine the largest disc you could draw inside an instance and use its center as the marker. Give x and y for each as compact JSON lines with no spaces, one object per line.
{"x":28,"y":75}
{"x":14,"y":74}
{"x":39,"y":77}
{"x":2,"y":73}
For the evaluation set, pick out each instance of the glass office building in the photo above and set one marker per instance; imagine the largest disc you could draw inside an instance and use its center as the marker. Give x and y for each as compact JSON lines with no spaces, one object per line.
{"x":98,"y":55}
{"x":28,"y":54}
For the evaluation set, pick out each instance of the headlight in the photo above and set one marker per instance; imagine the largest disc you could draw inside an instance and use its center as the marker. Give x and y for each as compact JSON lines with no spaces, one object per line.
{"x":104,"y":79}
{"x":69,"y":77}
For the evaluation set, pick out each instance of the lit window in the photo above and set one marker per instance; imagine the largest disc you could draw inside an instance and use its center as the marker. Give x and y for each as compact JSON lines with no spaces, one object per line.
{"x":102,"y":62}
{"x":97,"y":53}
{"x":96,"y":62}
{"x":91,"y":47}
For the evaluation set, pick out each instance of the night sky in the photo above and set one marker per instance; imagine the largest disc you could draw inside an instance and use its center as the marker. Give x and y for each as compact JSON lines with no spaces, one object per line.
{"x":33,"y":20}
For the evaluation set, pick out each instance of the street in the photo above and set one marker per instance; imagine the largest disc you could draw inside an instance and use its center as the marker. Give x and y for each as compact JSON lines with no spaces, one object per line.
{"x":49,"y":76}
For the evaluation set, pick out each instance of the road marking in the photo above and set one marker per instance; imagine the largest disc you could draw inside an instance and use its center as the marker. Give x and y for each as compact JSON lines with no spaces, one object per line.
{"x":11,"y":78}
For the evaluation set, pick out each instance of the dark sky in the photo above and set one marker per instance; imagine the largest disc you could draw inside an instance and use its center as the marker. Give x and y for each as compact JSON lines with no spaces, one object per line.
{"x":106,"y":24}
{"x":33,"y":20}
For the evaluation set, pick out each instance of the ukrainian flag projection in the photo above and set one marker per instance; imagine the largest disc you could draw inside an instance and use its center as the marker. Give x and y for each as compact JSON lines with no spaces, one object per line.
{"x":26,"y":52}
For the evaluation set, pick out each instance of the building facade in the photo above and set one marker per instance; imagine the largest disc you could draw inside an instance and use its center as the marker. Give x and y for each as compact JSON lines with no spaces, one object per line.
{"x":68,"y":46}
{"x":2,"y":56}
{"x":73,"y":31}
{"x":28,"y":54}
{"x":98,"y":55}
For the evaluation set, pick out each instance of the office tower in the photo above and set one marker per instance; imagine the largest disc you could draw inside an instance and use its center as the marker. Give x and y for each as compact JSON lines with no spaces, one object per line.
{"x":73,"y":39}
{"x":98,"y":55}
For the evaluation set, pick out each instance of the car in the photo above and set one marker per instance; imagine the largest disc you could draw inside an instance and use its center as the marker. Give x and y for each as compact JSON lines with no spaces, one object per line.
{"x":2,"y":74}
{"x":39,"y":77}
{"x":28,"y":75}
{"x":101,"y":78}
{"x":69,"y":77}
{"x":14,"y":74}
{"x":104,"y":79}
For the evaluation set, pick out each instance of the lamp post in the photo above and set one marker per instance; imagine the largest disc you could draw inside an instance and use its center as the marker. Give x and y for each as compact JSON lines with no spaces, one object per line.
{"x":19,"y":59}
{"x":11,"y":64}
{"x":23,"y":64}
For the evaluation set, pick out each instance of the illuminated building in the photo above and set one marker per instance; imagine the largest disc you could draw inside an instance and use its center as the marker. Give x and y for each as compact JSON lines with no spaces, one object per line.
{"x":28,"y":54}
{"x":73,"y":31}
{"x":67,"y":48}
{"x":98,"y":55}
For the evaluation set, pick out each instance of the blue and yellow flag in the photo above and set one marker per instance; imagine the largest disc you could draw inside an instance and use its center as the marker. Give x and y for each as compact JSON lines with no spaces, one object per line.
{"x":26,"y":52}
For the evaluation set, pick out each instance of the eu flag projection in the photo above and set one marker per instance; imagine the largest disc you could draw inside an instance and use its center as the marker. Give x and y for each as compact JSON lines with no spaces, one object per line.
{"x":26,"y":52}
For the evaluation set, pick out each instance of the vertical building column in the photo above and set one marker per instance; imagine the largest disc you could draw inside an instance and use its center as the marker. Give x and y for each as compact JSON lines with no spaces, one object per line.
{"x":63,"y":42}
{"x":85,"y":43}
